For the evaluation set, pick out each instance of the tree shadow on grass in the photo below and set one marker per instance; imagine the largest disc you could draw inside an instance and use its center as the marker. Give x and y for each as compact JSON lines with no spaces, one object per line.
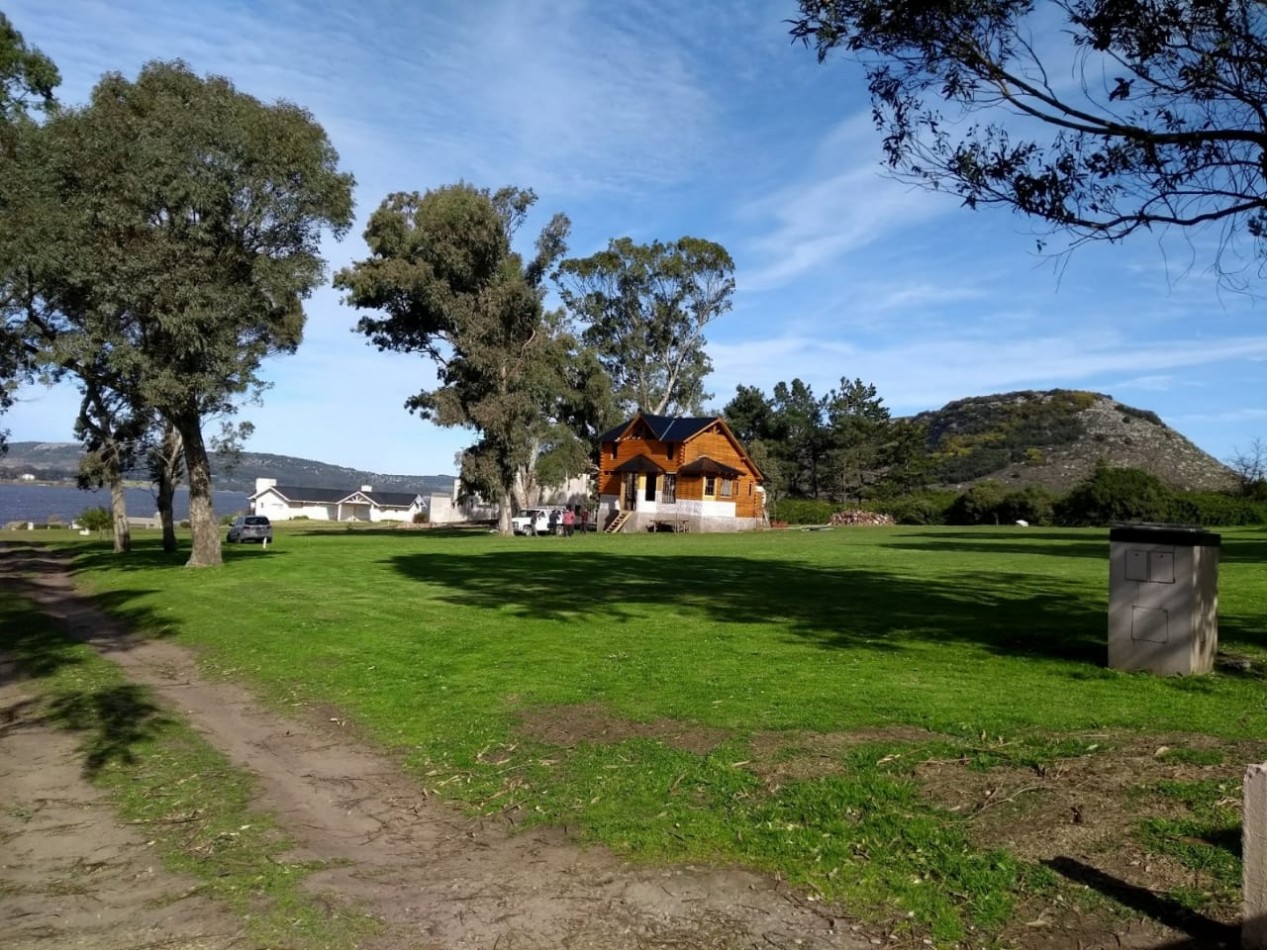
{"x":112,"y":719}
{"x":1024,"y":541}
{"x":151,"y":557}
{"x":41,"y":619}
{"x":835,"y":607}
{"x":1236,"y":550}
{"x":470,"y":531}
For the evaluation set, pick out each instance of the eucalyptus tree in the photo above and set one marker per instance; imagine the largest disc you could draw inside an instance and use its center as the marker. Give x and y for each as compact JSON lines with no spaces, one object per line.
{"x":177,"y":231}
{"x":644,"y":308}
{"x":111,"y":430}
{"x":27,"y":81}
{"x":445,"y":282}
{"x":1128,"y":115}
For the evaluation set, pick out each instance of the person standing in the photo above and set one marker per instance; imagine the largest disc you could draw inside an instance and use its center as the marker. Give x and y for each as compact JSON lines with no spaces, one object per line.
{"x":569,"y":519}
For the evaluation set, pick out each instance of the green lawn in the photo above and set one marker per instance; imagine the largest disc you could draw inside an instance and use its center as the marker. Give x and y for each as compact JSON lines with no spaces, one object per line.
{"x":440,"y":644}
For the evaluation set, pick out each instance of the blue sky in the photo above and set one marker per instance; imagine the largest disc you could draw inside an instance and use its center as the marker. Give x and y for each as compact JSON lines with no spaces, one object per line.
{"x":657,"y":120}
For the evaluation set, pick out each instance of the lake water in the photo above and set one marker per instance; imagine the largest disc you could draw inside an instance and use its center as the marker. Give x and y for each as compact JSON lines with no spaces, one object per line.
{"x":38,"y":502}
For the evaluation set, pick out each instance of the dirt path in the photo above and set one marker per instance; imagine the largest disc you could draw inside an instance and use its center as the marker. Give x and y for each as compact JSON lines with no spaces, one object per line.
{"x":72,"y":876}
{"x":437,"y":879}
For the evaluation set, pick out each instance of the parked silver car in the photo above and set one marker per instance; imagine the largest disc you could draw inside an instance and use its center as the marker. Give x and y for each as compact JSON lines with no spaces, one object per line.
{"x":250,"y":528}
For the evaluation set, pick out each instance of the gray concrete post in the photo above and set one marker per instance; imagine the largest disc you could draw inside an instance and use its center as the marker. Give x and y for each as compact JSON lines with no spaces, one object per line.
{"x":1254,"y":847}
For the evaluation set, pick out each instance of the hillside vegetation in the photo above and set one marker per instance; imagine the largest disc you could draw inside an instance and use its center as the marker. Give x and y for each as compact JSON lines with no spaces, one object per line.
{"x":59,"y":461}
{"x":1055,"y":439}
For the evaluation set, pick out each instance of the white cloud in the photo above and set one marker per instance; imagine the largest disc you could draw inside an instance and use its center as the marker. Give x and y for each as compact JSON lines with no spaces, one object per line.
{"x":842,"y":203}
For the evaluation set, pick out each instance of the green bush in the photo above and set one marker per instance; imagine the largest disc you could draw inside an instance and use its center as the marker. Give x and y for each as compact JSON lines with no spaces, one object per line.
{"x":928,"y":507}
{"x":420,"y":517}
{"x":1217,"y":510}
{"x":803,"y":510}
{"x":1116,"y":494}
{"x":980,"y":504}
{"x":1033,"y":503}
{"x":96,"y":519}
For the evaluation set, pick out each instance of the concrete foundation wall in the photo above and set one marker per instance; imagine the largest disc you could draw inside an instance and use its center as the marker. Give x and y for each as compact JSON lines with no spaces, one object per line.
{"x":644,"y":521}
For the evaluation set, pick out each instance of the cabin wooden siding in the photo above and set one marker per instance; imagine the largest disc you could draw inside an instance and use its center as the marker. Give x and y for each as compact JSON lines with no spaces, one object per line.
{"x":671,"y":456}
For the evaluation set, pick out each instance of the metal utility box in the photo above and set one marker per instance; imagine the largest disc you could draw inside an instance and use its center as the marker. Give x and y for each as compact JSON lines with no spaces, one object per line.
{"x":1163,"y":599}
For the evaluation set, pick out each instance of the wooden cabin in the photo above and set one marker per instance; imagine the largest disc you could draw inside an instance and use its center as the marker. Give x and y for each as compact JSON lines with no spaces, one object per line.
{"x":669,"y":473}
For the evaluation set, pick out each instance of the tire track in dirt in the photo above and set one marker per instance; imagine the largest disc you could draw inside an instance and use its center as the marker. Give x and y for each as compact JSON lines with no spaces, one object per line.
{"x":435,"y":877}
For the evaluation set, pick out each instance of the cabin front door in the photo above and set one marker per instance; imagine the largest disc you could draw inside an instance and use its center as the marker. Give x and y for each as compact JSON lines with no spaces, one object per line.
{"x":631,"y":491}
{"x":651,"y":485}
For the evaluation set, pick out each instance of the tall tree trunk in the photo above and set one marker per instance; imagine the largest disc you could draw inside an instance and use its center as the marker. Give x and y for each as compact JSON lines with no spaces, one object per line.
{"x":205,"y":550}
{"x":164,"y":497}
{"x":504,"y":527}
{"x":167,"y":475}
{"x":119,"y":508}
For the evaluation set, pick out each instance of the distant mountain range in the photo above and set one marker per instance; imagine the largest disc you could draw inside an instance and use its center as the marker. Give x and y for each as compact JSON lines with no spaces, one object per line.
{"x":1052,"y":438}
{"x":59,"y":461}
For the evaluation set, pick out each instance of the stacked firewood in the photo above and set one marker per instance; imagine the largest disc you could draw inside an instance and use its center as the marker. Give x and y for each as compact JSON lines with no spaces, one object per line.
{"x":857,"y":516}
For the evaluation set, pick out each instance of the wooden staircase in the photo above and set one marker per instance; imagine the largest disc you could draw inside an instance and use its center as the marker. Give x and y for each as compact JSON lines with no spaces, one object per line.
{"x":618,"y":522}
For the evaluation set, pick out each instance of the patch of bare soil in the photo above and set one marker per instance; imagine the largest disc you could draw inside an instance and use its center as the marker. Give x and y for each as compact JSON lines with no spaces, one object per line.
{"x":71,"y":876}
{"x":781,"y":757}
{"x":1078,"y":818}
{"x":568,"y":726}
{"x":435,"y":878}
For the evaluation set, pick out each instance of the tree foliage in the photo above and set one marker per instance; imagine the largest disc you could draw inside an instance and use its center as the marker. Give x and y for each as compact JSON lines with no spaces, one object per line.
{"x":840,"y":446}
{"x":27,"y":81}
{"x":446,"y":282}
{"x":175,"y":232}
{"x":644,"y":308}
{"x":1162,"y":123}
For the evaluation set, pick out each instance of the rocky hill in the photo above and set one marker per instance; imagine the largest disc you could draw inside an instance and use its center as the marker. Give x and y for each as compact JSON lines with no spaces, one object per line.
{"x":59,"y":461}
{"x":1055,"y":438}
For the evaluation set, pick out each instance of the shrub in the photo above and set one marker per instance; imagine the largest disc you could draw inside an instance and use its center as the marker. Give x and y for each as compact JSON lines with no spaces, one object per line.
{"x":928,"y":507}
{"x":420,"y":517}
{"x":1217,"y":510}
{"x":802,"y":511}
{"x":96,"y":519}
{"x":1116,"y":494}
{"x":978,"y":505}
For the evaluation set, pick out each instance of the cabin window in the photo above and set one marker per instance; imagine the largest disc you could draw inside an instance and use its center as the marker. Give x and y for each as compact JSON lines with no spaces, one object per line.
{"x":613,"y":450}
{"x":727,"y":487}
{"x":710,"y":485}
{"x":668,"y":491}
{"x":669,"y":448}
{"x":650,"y":488}
{"x":750,"y":489}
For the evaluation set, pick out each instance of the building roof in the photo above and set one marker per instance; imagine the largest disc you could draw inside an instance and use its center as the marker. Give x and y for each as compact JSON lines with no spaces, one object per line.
{"x":640,"y":464}
{"x":333,"y":496}
{"x":664,"y":428}
{"x":706,"y":466}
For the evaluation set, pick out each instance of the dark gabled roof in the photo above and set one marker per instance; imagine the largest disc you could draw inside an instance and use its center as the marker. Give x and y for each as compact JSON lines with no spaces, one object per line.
{"x":325,"y":496}
{"x":664,"y":428}
{"x":390,"y":499}
{"x":640,"y":464}
{"x":706,"y":466}
{"x":332,"y":496}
